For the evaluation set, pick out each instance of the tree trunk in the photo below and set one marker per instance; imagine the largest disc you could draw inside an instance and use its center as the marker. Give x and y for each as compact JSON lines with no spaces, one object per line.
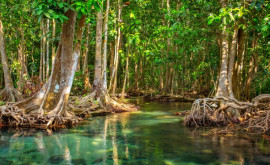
{"x":53,"y":97}
{"x":105,"y":46}
{"x":161,"y":78}
{"x":237,"y":76}
{"x":136,"y":76}
{"x":141,"y":74}
{"x":23,"y":72}
{"x":41,"y":51}
{"x":117,"y":48}
{"x":111,"y":65}
{"x":126,"y":75}
{"x":48,"y":50}
{"x":232,"y":59}
{"x":98,"y":69}
{"x":44,"y":52}
{"x":223,"y":90}
{"x":252,"y":68}
{"x":87,"y":85}
{"x":53,"y":38}
{"x":9,"y":93}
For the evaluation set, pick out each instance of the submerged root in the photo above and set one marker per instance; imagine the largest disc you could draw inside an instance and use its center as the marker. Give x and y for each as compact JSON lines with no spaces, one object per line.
{"x":10,"y":94}
{"x":255,"y":116}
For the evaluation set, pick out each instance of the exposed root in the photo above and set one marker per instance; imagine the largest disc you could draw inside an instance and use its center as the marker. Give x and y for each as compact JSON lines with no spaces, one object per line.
{"x":101,"y":104}
{"x":12,"y":116}
{"x":228,"y":112}
{"x":10,"y":95}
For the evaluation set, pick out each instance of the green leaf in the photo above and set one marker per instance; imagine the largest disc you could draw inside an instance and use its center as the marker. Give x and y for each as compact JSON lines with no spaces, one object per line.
{"x":60,"y":5}
{"x":47,"y":15}
{"x":210,"y":21}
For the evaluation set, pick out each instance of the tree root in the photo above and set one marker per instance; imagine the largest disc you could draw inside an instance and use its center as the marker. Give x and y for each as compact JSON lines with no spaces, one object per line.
{"x":10,"y":95}
{"x":103,"y":104}
{"x":12,"y":116}
{"x":254,"y":116}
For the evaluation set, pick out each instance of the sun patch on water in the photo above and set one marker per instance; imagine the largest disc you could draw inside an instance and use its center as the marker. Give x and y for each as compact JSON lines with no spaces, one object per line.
{"x":127,"y":131}
{"x":155,"y":113}
{"x":156,"y":121}
{"x":98,"y":139}
{"x":168,"y":162}
{"x":137,"y":112}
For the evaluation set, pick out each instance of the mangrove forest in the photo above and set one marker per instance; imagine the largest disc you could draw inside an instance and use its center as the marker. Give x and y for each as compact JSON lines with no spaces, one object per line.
{"x":134,"y":82}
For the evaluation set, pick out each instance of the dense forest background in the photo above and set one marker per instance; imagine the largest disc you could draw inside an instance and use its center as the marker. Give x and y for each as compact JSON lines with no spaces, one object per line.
{"x":154,"y":46}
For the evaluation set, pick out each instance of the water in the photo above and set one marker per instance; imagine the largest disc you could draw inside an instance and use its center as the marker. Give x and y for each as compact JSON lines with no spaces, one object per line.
{"x":150,"y":136}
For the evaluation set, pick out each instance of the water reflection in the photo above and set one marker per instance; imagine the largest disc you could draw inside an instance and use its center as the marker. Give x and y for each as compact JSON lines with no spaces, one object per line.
{"x":150,"y":136}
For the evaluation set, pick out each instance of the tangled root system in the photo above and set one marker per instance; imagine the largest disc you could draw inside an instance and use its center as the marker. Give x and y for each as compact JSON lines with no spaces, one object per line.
{"x":254,"y":116}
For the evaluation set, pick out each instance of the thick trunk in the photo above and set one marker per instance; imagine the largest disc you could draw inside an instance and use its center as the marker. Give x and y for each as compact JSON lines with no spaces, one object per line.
{"x":98,"y":69}
{"x":9,"y":93}
{"x":232,"y":59}
{"x":223,"y":90}
{"x":238,"y":74}
{"x":21,"y":56}
{"x":252,"y":68}
{"x":53,"y":97}
{"x":105,"y":46}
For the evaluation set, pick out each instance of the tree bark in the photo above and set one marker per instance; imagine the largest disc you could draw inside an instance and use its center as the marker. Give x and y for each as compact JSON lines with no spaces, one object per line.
{"x":252,"y":68}
{"x":9,"y":93}
{"x":53,"y":38}
{"x":112,"y":50}
{"x":237,"y":76}
{"x":117,"y":48}
{"x":21,"y":55}
{"x":105,"y":46}
{"x":232,"y":59}
{"x":53,"y":97}
{"x":87,"y":85}
{"x":126,"y":75}
{"x":44,"y":52}
{"x":48,"y":50}
{"x":98,"y":69}
{"x":41,"y":51}
{"x":223,"y":90}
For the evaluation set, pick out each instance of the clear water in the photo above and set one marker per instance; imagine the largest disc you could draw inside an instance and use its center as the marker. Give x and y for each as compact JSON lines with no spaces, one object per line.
{"x":150,"y":136}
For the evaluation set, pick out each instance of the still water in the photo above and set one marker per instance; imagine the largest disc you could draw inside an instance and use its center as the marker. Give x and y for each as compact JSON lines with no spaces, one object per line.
{"x":150,"y":136}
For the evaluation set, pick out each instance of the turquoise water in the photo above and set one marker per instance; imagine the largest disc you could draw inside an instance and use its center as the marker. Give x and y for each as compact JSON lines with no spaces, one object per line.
{"x":150,"y":136}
